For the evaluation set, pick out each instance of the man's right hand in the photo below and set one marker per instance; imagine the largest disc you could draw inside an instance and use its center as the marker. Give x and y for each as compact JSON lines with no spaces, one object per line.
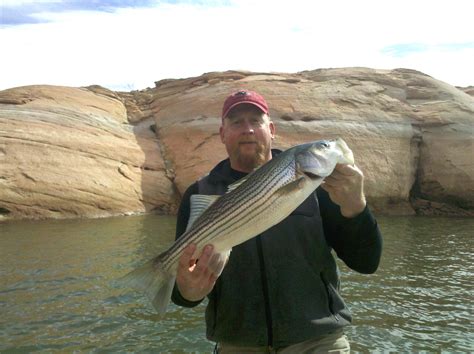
{"x":194,"y":278}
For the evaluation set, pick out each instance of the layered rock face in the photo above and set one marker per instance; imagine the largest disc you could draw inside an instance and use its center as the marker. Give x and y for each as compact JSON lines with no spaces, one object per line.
{"x":91,"y":152}
{"x":70,"y":152}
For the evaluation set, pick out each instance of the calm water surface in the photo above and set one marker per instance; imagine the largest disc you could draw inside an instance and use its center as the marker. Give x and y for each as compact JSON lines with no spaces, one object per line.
{"x":57,"y":291}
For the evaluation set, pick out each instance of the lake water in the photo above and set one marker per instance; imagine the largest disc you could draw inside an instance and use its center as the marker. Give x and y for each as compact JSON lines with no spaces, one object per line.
{"x":57,"y":289}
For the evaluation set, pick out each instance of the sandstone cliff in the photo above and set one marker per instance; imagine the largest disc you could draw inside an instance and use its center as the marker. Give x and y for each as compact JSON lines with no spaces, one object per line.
{"x":90,"y":152}
{"x":70,"y":152}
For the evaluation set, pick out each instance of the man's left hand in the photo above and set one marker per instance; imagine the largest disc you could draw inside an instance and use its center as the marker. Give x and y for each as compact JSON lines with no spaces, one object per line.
{"x":346,"y":188}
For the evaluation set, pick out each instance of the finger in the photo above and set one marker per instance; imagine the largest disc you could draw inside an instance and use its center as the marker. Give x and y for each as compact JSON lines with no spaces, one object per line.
{"x":346,"y":170}
{"x":186,"y":257}
{"x":212,"y":279}
{"x":327,"y":188}
{"x":331,"y":179}
{"x":336,"y":175}
{"x":217,"y":263}
{"x":334,"y":183}
{"x":202,"y":264}
{"x":192,"y":266}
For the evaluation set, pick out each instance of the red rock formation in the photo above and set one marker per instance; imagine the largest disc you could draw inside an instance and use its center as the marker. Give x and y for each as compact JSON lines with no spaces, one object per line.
{"x":69,"y":152}
{"x":469,"y":90}
{"x":90,"y":151}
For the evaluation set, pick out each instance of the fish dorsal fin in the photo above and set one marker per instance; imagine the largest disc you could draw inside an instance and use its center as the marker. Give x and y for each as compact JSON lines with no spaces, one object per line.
{"x":234,"y":185}
{"x":199,"y":203}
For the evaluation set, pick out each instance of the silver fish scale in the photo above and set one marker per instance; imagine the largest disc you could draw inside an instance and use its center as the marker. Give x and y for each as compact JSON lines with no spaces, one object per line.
{"x":237,"y":207}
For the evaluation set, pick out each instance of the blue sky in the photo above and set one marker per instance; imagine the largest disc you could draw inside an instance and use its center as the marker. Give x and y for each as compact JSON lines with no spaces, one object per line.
{"x":28,"y":12}
{"x":125,"y":44}
{"x":406,"y":49}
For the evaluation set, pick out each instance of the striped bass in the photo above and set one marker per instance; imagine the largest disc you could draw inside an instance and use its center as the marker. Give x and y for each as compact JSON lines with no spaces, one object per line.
{"x":252,"y":205}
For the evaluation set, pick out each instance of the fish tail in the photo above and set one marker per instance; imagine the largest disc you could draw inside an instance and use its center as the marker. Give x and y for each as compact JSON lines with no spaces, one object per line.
{"x":154,"y":281}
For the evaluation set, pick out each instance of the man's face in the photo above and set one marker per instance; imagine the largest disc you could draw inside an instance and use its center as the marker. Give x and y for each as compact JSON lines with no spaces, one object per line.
{"x":247,"y":133}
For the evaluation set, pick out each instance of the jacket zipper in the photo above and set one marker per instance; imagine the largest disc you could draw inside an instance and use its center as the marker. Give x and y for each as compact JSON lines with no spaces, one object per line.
{"x":263,"y":273}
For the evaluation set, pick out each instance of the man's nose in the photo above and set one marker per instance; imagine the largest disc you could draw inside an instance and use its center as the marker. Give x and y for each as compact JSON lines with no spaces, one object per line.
{"x":248,"y":127}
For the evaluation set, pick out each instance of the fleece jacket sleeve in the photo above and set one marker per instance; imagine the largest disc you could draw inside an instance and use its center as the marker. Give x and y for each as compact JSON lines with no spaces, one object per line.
{"x":357,"y":241}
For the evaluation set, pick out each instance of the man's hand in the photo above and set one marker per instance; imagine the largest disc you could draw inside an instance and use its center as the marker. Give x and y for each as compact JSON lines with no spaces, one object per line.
{"x":346,"y":188}
{"x":194,"y":278}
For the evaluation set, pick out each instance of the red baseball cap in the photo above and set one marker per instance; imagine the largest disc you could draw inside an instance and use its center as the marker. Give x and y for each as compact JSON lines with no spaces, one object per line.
{"x":244,"y":96}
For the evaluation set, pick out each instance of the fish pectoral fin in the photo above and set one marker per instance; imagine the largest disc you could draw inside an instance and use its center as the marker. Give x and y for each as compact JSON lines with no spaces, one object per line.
{"x":291,"y":187}
{"x":218,"y":262}
{"x":199,"y":203}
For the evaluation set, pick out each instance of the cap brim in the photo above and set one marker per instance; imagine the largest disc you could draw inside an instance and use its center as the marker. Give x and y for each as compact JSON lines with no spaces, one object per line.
{"x":262,"y":108}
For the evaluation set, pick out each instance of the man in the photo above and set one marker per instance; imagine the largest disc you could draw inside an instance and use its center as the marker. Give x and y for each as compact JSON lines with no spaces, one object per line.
{"x":278,"y":291}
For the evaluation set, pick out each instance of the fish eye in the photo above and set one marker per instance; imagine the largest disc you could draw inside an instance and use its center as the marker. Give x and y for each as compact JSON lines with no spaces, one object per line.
{"x":324,"y":144}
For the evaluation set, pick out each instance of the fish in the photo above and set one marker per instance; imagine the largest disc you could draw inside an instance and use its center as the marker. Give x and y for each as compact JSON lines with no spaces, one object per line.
{"x":250,"y":206}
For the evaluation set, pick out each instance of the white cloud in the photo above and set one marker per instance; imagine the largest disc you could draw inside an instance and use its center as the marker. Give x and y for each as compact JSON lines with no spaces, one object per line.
{"x":132,"y":48}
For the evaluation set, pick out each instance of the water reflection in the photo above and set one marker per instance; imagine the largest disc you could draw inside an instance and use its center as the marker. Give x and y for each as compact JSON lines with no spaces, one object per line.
{"x":421,"y":297}
{"x":57,"y":288}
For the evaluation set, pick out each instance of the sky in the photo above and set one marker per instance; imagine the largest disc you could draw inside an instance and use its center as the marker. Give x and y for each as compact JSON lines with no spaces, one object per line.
{"x":127,"y":45}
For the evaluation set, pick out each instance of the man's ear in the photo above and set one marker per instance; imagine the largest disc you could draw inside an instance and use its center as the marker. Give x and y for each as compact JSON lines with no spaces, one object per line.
{"x":272,"y":129}
{"x":221,"y":133}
